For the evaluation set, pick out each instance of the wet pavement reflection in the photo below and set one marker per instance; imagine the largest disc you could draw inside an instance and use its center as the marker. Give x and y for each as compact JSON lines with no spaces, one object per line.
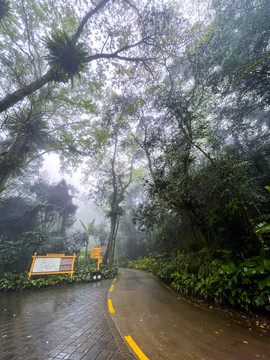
{"x":167,"y":326}
{"x":65,"y":322}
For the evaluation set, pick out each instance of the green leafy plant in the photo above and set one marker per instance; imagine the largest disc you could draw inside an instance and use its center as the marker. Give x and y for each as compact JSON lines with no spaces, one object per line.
{"x":218,"y":277}
{"x":67,"y":57}
{"x":13,"y":282}
{"x":4,"y":8}
{"x":264,"y":226}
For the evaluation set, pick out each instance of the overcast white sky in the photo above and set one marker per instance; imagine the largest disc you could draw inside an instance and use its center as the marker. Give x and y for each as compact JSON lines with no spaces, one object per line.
{"x":52,"y":167}
{"x":86,"y":210}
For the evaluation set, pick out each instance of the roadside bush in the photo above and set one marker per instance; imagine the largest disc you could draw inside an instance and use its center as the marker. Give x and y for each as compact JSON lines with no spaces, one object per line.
{"x":10,"y":281}
{"x":215,"y":277}
{"x":122,"y":261}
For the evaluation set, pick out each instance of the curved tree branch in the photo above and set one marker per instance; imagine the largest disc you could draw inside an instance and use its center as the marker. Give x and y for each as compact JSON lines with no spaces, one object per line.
{"x":20,"y":94}
{"x":87,"y":17}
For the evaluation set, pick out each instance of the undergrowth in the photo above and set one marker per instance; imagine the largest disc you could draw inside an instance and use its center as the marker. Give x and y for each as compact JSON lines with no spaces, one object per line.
{"x":10,"y":281}
{"x":218,"y":277}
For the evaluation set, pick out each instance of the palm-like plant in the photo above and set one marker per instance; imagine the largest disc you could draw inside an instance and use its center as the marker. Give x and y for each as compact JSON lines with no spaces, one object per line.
{"x":27,"y":134}
{"x":4,"y":8}
{"x":67,"y":57}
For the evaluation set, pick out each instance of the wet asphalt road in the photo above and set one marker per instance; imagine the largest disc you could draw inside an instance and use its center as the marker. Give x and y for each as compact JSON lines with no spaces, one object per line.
{"x":167,"y":327}
{"x":65,"y":322}
{"x":69,"y":322}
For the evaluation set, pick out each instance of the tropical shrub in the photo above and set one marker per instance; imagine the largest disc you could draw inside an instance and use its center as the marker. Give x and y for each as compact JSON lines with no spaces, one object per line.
{"x":10,"y":281}
{"x":215,"y":277}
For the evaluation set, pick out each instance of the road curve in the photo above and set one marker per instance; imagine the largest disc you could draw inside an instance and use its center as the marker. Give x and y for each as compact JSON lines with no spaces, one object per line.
{"x":164,"y":326}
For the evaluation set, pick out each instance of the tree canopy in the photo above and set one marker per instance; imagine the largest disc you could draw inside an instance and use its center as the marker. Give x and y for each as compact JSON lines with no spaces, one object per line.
{"x":163,"y":105}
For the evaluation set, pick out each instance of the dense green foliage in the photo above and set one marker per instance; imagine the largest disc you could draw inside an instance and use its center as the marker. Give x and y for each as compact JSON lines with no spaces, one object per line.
{"x":36,"y":222}
{"x":67,"y":57}
{"x":227,"y":280}
{"x":208,"y":145}
{"x":173,"y":98}
{"x":4,"y":8}
{"x":20,"y":281}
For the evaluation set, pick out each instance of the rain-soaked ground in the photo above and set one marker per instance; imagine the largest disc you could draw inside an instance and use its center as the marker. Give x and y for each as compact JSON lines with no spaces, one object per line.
{"x":65,"y":322}
{"x":69,"y":322}
{"x":167,"y":327}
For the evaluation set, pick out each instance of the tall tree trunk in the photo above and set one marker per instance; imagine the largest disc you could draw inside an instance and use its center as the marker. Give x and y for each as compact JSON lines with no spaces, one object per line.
{"x":114,"y":239}
{"x":109,"y":254}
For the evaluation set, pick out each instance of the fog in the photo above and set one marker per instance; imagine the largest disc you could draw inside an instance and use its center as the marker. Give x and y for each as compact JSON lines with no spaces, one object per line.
{"x":86,"y":211}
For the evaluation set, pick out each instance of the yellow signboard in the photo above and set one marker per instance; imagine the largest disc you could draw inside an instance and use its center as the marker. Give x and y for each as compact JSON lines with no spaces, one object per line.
{"x":52,"y":264}
{"x":95,"y":254}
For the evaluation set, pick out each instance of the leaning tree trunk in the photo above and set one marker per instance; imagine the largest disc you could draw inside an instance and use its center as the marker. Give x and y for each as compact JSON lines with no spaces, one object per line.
{"x":18,"y":95}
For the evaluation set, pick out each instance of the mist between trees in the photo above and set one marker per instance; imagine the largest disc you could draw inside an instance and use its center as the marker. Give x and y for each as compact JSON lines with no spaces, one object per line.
{"x":164,"y":104}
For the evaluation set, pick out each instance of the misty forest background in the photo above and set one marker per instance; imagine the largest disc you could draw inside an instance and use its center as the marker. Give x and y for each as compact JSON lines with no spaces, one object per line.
{"x":164,"y":108}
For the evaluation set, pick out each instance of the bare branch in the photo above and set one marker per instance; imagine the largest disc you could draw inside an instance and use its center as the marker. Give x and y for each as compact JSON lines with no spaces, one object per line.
{"x":116,"y":53}
{"x":32,"y":57}
{"x":105,"y":43}
{"x":37,"y":156}
{"x":88,"y":16}
{"x":133,"y":6}
{"x":69,"y":124}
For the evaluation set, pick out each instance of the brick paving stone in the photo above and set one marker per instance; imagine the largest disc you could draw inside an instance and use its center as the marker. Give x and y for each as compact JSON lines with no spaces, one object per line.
{"x":67,"y":322}
{"x":76,"y":356}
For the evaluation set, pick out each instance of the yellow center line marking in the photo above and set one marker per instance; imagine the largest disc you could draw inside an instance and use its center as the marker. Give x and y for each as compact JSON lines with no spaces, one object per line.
{"x":136,"y":348}
{"x":110,"y":306}
{"x":111,"y":289}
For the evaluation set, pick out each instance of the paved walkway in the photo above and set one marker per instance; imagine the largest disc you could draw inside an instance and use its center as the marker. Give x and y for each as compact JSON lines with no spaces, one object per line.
{"x":160,"y":325}
{"x":65,"y":322}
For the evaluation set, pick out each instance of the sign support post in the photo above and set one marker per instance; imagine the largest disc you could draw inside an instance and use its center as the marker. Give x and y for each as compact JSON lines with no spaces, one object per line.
{"x":95,"y":254}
